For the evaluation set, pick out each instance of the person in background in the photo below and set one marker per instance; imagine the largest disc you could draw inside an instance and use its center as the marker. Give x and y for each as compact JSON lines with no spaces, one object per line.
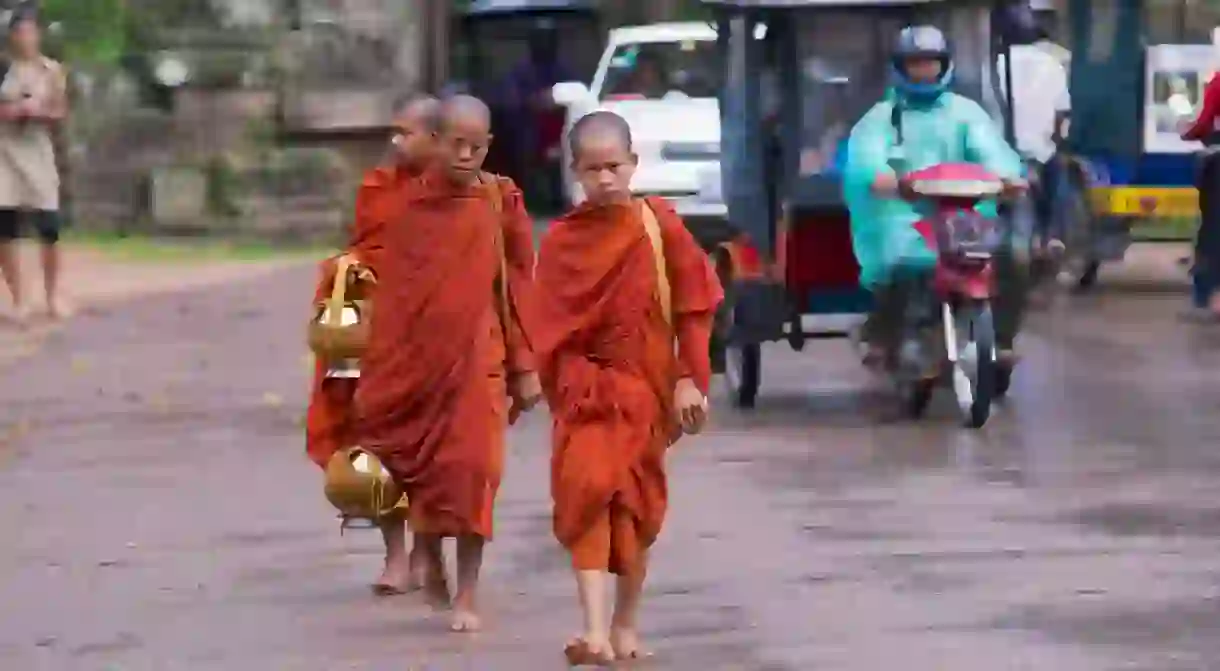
{"x":649,"y":79}
{"x":1205,"y":128}
{"x":33,"y":101}
{"x":526,"y":98}
{"x":1041,"y":100}
{"x":919,"y":123}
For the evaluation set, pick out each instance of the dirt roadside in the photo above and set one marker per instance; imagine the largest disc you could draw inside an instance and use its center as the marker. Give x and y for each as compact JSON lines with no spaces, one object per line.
{"x":96,"y":282}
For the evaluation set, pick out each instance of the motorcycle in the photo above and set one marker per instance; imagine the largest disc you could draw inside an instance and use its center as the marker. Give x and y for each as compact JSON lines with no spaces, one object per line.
{"x":952,"y":327}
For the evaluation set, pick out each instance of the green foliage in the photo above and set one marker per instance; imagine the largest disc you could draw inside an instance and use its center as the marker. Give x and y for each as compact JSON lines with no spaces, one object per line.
{"x":103,"y":31}
{"x":93,"y":32}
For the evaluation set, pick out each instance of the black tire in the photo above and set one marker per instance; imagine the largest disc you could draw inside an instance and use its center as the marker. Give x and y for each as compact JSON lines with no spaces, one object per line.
{"x":982,"y":334}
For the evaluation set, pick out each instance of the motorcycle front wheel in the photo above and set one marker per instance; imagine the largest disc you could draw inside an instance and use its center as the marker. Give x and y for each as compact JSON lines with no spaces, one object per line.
{"x":970,"y":335}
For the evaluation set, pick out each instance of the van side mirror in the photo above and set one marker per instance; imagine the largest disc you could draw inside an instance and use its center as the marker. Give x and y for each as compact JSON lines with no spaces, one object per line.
{"x":567,"y":94}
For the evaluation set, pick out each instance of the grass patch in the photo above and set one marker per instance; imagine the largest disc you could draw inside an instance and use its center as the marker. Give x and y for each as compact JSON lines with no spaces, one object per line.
{"x":189,"y":250}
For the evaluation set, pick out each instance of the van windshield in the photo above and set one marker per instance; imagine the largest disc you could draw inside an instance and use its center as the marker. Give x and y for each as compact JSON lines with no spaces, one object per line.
{"x":657,"y":70}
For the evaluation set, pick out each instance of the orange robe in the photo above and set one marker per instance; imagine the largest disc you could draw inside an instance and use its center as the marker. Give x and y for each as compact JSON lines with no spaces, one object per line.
{"x":608,"y":365}
{"x":430,"y":403}
{"x":509,"y":349}
{"x":328,"y":420}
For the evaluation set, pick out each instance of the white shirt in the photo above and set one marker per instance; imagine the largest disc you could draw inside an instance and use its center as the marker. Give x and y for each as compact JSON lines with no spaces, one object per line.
{"x":1040,"y":91}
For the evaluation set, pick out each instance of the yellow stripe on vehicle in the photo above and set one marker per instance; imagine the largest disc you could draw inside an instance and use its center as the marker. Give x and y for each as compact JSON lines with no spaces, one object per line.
{"x":1128,"y":201}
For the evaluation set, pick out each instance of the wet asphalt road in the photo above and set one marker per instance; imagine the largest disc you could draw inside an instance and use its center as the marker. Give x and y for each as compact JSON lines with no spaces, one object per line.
{"x":158,"y":513}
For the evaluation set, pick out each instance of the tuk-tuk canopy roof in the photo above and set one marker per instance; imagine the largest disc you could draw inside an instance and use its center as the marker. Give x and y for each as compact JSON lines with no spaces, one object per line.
{"x":491,"y":8}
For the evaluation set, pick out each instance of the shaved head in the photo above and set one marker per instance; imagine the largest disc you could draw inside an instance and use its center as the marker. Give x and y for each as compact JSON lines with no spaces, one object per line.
{"x":465,"y":135}
{"x":464,"y":108}
{"x":601,"y":125}
{"x":602,"y":159}
{"x":416,"y":122}
{"x":421,"y":107}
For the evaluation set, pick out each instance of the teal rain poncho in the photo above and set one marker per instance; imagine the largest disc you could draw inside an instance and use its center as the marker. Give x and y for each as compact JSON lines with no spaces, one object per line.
{"x":950,"y":129}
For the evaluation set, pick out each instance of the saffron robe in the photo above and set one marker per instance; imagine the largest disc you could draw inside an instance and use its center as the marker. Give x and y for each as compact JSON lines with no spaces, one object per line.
{"x":607,"y":359}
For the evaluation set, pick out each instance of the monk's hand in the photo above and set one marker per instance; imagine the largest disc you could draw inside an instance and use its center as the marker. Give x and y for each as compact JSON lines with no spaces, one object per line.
{"x":690,"y":406}
{"x":525,"y":390}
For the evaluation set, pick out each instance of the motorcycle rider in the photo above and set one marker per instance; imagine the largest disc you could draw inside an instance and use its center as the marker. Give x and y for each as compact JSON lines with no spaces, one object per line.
{"x":919,"y":123}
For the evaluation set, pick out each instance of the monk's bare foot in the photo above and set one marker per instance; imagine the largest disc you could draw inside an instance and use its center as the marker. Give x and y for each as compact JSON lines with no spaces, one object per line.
{"x":395,"y":579}
{"x":626,"y":645}
{"x":587,"y":651}
{"x":19,"y":316}
{"x":58,"y":309}
{"x":465,"y":612}
{"x":465,"y":621}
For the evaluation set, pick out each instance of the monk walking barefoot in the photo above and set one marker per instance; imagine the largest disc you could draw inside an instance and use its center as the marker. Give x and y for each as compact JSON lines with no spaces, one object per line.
{"x":425,"y":405}
{"x":618,"y":280}
{"x":329,"y":426}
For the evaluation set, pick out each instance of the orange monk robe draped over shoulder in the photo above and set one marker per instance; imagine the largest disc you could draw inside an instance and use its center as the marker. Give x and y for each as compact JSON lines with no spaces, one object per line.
{"x":509,"y":348}
{"x":424,"y":404}
{"x":518,"y":239}
{"x":328,"y":425}
{"x":608,"y":366}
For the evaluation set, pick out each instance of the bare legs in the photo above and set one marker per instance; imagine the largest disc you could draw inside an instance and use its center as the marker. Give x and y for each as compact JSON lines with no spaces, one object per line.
{"x":428,"y":566}
{"x":469,"y":563}
{"x":50,"y":280}
{"x":12,"y":276}
{"x":432,"y":569}
{"x":618,"y":639}
{"x":591,"y":589}
{"x":397,"y":577}
{"x":11,"y":272}
{"x":624,"y":625}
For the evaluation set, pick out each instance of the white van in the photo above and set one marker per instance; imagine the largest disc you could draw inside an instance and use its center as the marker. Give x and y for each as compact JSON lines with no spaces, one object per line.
{"x":663,"y":79}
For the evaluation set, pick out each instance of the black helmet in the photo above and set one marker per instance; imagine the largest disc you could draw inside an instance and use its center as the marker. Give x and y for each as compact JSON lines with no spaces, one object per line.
{"x":1017,"y":23}
{"x":921,"y":41}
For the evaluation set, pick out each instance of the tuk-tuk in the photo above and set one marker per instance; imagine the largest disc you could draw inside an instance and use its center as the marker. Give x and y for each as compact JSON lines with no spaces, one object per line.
{"x":513,"y":45}
{"x":1123,"y":144}
{"x":798,"y":75}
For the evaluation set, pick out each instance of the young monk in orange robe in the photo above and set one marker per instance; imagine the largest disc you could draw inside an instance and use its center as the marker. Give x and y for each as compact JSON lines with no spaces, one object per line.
{"x":425,"y":405}
{"x":328,"y":421}
{"x":618,"y":393}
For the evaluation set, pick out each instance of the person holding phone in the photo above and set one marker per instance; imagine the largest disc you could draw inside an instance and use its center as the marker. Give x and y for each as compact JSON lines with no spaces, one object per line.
{"x":33,"y":102}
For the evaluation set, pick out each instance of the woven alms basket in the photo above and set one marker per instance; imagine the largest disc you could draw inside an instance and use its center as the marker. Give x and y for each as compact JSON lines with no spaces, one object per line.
{"x":339,"y":329}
